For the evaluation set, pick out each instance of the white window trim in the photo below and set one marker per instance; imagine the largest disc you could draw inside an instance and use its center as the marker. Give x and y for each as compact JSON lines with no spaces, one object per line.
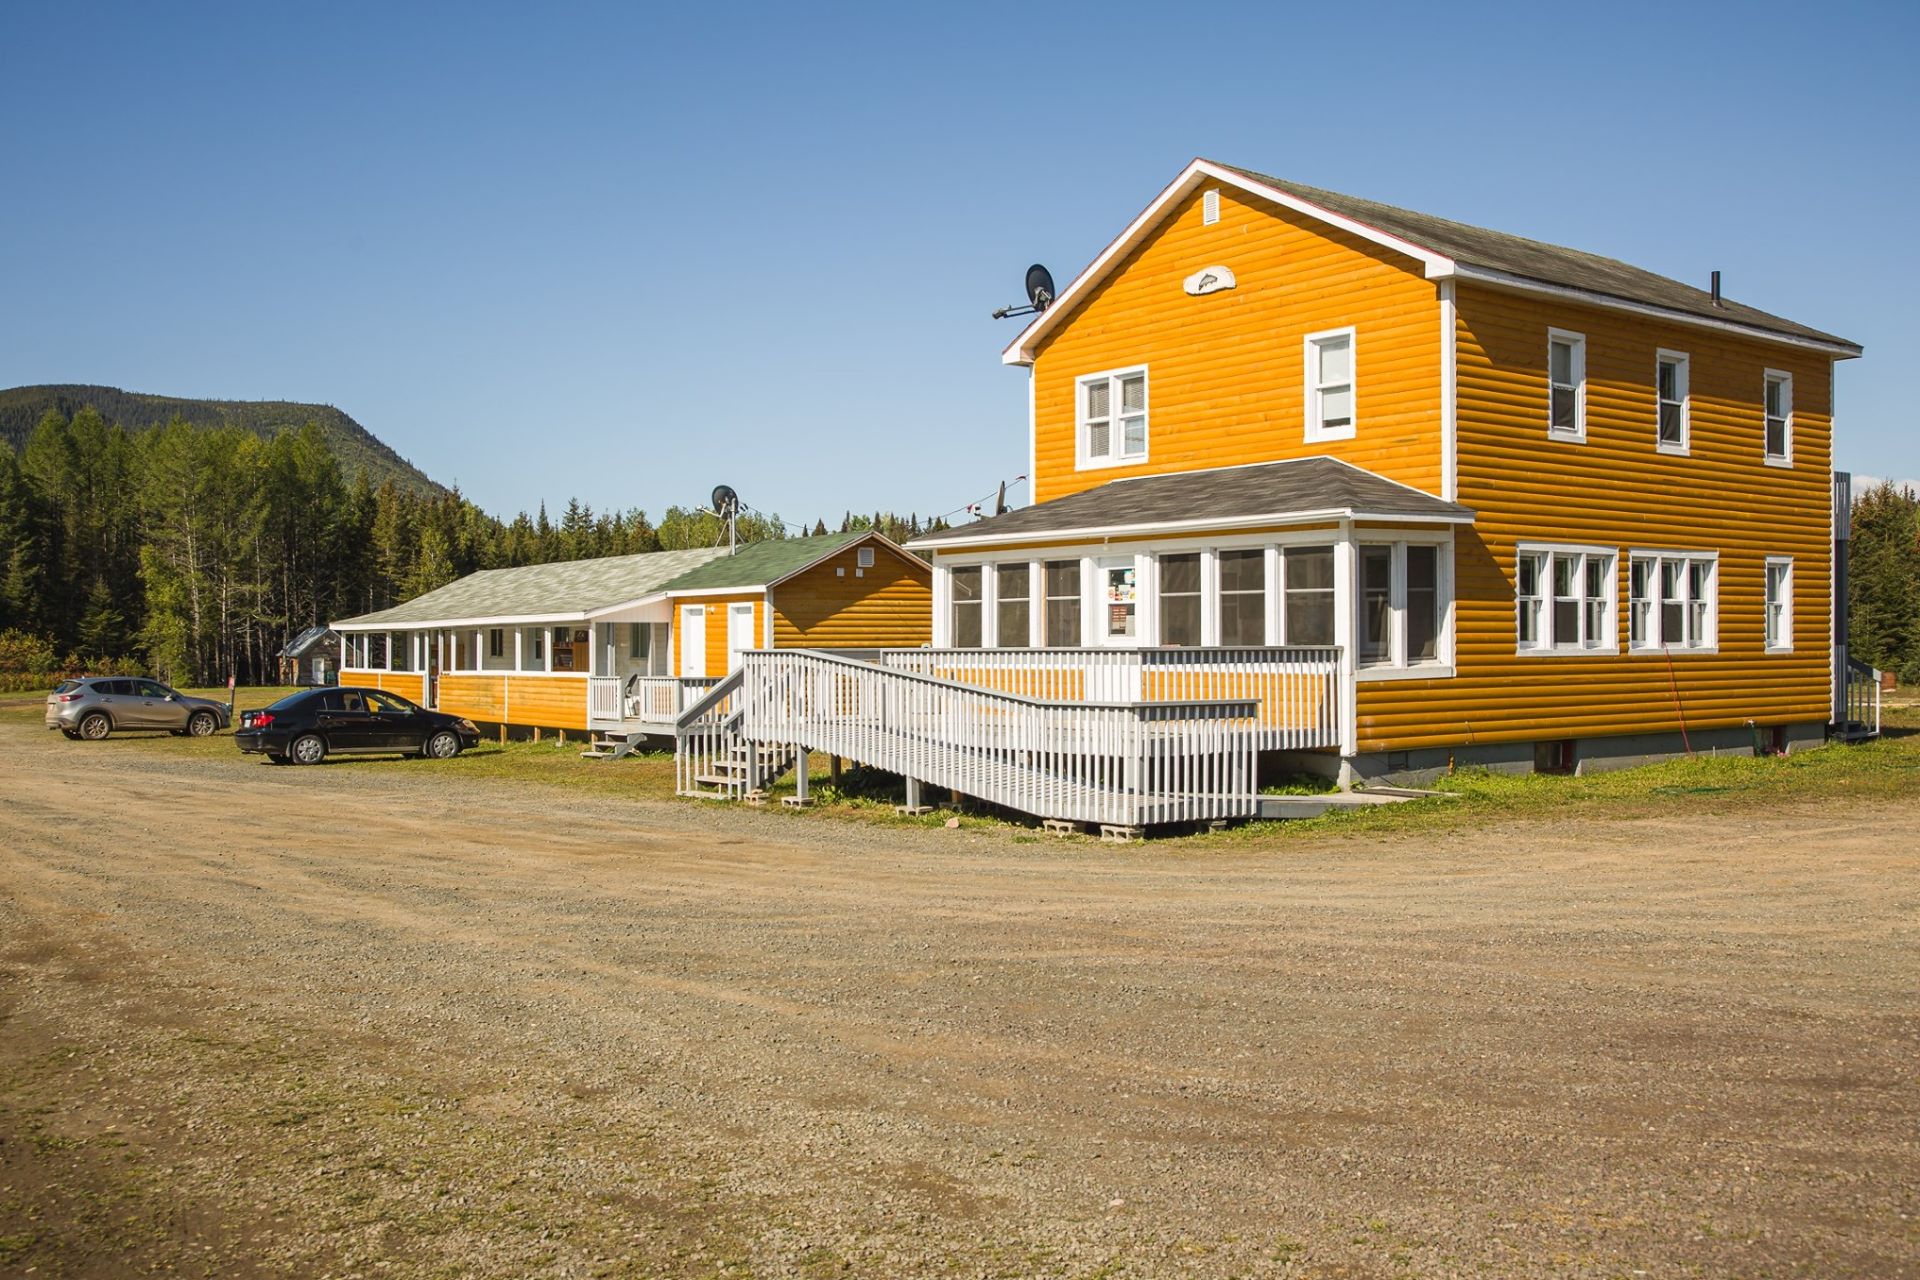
{"x":1786,"y":612}
{"x":1610,"y":643}
{"x":1684,"y":384}
{"x":1786,"y":404}
{"x":1310,"y":385}
{"x":1579,"y":343}
{"x":1656,"y":554}
{"x":1397,"y":667}
{"x":1116,"y":434}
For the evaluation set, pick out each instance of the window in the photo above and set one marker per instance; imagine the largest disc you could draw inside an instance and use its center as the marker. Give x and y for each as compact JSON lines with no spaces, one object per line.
{"x":1423,"y":603}
{"x":863,"y":558}
{"x":497,"y":642}
{"x":1779,"y":414}
{"x":1670,"y":600}
{"x":1779,"y":604}
{"x":400,"y":651}
{"x":1113,"y":418}
{"x":376,"y":642}
{"x":1566,"y":385}
{"x":1670,"y":389}
{"x":1063,"y":604}
{"x":1243,"y":596}
{"x":1376,"y":605}
{"x":533,"y":649}
{"x":639,"y":640}
{"x":465,"y":655}
{"x":1307,"y":618}
{"x":1122,"y":600}
{"x":963,"y":584}
{"x":1564,"y":599}
{"x":1180,"y":599}
{"x":1013,"y":605}
{"x":1329,"y":383}
{"x":350,"y":650}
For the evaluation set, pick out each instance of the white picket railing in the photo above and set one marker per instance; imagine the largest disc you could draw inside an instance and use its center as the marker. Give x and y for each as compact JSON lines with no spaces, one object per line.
{"x":1132,"y":763}
{"x":660,"y":699}
{"x":1863,"y":700}
{"x":1298,"y":690}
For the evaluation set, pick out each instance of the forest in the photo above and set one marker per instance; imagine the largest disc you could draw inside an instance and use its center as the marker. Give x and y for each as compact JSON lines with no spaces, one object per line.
{"x":193,"y":552}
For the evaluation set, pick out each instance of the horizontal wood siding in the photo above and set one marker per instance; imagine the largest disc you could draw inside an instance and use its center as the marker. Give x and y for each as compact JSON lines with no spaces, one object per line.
{"x":837,"y":605}
{"x":1617,"y":490}
{"x":1226,"y":371}
{"x":548,"y":702}
{"x":407,"y":685}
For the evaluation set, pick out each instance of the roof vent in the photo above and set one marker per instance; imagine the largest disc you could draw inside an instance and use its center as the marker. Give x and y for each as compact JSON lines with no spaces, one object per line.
{"x":1716,"y":289}
{"x":1210,"y":206}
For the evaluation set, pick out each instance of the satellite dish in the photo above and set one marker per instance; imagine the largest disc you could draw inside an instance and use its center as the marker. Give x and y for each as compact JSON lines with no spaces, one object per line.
{"x":726,"y":503}
{"x":1039,"y":287}
{"x":1039,"y":294}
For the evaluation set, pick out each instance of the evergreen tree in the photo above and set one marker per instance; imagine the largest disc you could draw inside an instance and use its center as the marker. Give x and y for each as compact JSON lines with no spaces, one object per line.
{"x":1883,"y":600}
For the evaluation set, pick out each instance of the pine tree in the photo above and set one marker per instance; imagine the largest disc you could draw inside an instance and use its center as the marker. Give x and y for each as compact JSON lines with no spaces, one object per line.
{"x":1883,"y":600}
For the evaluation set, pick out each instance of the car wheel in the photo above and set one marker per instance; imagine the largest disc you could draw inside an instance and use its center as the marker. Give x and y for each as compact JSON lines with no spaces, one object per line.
{"x":443,"y":745}
{"x":202,"y":724}
{"x":308,"y":749}
{"x":95,"y":726}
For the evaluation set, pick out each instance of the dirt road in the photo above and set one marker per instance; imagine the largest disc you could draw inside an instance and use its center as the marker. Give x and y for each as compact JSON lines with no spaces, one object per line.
{"x":378,"y":1020}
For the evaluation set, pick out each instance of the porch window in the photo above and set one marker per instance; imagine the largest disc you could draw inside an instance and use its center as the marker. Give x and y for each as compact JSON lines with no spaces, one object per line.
{"x":496,"y":643}
{"x":466,"y":656}
{"x":350,"y":650}
{"x":963,"y":584}
{"x":1013,"y":605}
{"x":533,"y":649}
{"x":1670,"y":603}
{"x":1376,"y":605}
{"x":1121,"y":597}
{"x":1566,"y":385}
{"x":1113,"y":418}
{"x":1670,"y":377}
{"x":1063,"y":604}
{"x":400,"y":651}
{"x":1779,"y":604}
{"x":1329,"y":384}
{"x":376,"y":651}
{"x":1180,"y":600}
{"x":1564,"y":599}
{"x":1779,"y":414}
{"x":1307,"y":618}
{"x":639,"y":641}
{"x":1243,"y":596}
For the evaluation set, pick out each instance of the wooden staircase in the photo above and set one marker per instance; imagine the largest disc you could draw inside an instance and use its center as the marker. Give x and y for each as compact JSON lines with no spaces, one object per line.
{"x":733,"y":775}
{"x":608,"y":745}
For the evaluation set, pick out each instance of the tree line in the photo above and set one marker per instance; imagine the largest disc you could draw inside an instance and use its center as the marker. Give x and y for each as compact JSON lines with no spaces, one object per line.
{"x":1883,"y":585}
{"x":194,"y":552}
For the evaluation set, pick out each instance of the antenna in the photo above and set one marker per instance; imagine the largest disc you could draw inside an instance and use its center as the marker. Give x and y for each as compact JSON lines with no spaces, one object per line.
{"x":1039,"y":294}
{"x":726,"y":505}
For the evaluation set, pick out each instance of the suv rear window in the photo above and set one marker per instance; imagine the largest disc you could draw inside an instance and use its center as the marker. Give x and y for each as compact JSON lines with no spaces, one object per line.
{"x":66,"y":686}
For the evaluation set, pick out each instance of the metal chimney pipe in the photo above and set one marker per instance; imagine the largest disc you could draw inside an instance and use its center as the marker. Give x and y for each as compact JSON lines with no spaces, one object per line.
{"x":1716,"y":289}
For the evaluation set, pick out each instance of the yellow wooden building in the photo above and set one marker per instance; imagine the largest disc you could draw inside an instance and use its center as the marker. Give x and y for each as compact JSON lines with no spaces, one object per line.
{"x":621,"y":646}
{"x":1540,"y":508}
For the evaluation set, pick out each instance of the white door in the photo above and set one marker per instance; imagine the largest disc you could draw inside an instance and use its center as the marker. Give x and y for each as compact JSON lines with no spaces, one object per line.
{"x":693,"y":640}
{"x":739,"y":633}
{"x":1116,"y":626}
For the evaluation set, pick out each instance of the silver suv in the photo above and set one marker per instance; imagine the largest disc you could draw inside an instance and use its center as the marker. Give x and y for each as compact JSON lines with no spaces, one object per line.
{"x":94,"y":706}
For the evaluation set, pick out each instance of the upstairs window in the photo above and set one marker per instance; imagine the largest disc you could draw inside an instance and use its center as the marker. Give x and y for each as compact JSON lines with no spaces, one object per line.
{"x":1329,"y":385}
{"x":963,"y":586}
{"x":1671,"y":601}
{"x":1113,"y":418}
{"x":1564,"y":599}
{"x":1566,"y":385}
{"x":1779,"y":604}
{"x":1779,"y":415}
{"x":1670,"y":379}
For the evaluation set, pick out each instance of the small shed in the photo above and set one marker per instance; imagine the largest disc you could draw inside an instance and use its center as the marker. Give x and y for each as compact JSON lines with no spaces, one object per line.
{"x":311,"y":658}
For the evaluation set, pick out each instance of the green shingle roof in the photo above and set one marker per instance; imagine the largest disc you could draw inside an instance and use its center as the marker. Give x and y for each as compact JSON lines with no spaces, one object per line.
{"x":761,"y":563}
{"x":563,"y":589}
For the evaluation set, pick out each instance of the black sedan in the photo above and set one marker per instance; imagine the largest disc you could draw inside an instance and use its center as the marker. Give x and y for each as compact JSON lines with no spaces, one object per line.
{"x":307,"y":727}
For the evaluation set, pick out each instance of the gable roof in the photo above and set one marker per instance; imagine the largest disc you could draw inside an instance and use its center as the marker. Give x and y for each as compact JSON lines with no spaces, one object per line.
{"x":564,"y":589}
{"x":297,"y":646}
{"x":1446,"y":250}
{"x":766,"y":564}
{"x":1299,"y":490}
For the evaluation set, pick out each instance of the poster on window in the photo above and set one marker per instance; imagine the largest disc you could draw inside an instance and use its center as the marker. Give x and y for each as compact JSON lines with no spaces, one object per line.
{"x":1121,"y":601}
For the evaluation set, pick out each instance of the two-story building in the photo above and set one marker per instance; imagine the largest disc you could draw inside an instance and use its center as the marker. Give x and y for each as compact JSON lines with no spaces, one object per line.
{"x":1545,"y":508}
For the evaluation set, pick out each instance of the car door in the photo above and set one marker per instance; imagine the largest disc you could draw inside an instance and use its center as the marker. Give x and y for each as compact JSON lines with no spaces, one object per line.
{"x":346,"y":723}
{"x":397,"y":725}
{"x":160,"y":707}
{"x":116,"y":699}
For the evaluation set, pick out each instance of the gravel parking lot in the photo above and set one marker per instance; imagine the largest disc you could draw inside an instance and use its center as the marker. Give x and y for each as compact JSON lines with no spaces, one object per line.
{"x":380,"y":1019}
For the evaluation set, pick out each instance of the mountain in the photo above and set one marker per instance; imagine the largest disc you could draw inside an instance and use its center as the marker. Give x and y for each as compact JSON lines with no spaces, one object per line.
{"x":21,"y":408}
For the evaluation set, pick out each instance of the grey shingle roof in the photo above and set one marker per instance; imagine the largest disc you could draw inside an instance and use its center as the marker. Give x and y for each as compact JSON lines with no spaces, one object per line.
{"x":303,"y":642}
{"x":1295,"y":489}
{"x":562,"y":589}
{"x":1537,"y":260}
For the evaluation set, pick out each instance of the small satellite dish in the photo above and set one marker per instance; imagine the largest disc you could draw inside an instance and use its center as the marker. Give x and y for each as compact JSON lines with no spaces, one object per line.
{"x":1039,"y":294}
{"x":1039,"y":287}
{"x":726,"y":503}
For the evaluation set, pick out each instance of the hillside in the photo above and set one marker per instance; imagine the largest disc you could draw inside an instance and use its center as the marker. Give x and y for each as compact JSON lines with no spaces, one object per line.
{"x":357,"y":448}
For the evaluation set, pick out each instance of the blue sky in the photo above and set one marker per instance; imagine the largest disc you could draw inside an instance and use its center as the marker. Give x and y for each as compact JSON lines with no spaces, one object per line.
{"x":625,"y":254}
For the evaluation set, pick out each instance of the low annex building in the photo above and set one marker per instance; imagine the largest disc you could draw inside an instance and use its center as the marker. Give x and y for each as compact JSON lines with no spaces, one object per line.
{"x":623,"y":644}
